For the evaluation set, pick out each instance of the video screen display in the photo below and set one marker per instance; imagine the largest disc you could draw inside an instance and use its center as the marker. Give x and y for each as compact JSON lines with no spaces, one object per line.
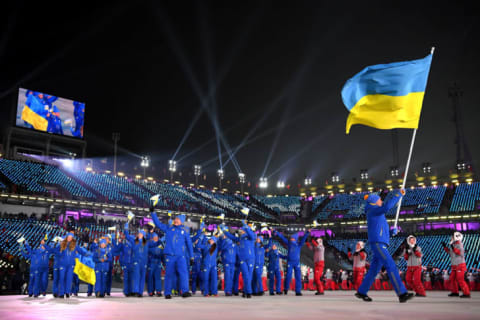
{"x":48,"y":113}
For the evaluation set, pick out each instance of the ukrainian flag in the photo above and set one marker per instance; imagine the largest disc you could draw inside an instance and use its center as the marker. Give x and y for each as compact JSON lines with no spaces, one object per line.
{"x":85,"y":269}
{"x":387,"y":96}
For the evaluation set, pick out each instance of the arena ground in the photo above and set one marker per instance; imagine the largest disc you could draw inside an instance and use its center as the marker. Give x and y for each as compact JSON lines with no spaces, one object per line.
{"x":333,"y":305}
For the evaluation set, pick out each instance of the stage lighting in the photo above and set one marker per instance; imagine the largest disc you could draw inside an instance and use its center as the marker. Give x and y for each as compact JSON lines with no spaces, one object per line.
{"x":335,"y":177}
{"x":364,"y":174}
{"x":220,"y":174}
{"x":308,"y":181}
{"x":427,"y":167}
{"x":197,"y":170}
{"x":462,"y":165}
{"x":280,"y":184}
{"x":145,"y":162}
{"x":241,"y":177}
{"x":394,"y":172}
{"x":172,"y":165}
{"x":263,"y":182}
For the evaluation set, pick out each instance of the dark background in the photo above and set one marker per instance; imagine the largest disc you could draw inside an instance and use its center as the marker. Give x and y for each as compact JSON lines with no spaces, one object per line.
{"x":139,"y":67}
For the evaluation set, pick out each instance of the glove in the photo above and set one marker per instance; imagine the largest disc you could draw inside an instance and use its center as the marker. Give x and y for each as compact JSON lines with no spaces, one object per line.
{"x":409,"y":251}
{"x":349,"y":250}
{"x":191,"y":261}
{"x":402,"y":191}
{"x":394,"y":231}
{"x":444,"y":244}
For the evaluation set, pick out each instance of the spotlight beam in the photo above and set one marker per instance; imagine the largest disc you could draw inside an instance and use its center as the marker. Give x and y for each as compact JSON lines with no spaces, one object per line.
{"x":189,"y":130}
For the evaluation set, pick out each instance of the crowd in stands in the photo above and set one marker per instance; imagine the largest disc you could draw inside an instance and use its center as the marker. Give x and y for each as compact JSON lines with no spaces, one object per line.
{"x":281,"y":204}
{"x":466,"y":197}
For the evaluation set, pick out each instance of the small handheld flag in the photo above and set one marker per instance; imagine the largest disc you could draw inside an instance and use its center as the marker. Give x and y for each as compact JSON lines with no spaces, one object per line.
{"x":21,"y":240}
{"x":154,"y":199}
{"x":130,"y":215}
{"x":245,"y":211}
{"x":112,"y":228}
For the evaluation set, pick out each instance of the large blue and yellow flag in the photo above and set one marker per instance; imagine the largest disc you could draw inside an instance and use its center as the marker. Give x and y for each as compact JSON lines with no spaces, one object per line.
{"x":85,"y":269}
{"x":387,"y":96}
{"x":35,"y":113}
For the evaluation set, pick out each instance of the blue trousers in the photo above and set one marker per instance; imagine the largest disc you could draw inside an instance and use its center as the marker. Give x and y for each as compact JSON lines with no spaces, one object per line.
{"x":381,"y":257}
{"x":246,"y":268}
{"x":293,"y":266}
{"x":65,"y":280}
{"x":75,"y":284}
{"x":236,"y":278}
{"x":138,"y":277}
{"x":108,"y":287}
{"x":274,"y":278}
{"x":127,"y":278}
{"x":210,"y":280}
{"x":31,"y":281}
{"x":176,"y":265}
{"x":89,"y":288}
{"x":154,"y":278}
{"x":56,"y":279}
{"x":228,"y":274}
{"x":197,"y":274}
{"x":257,"y":283}
{"x":40,"y":281}
{"x":101,"y":274}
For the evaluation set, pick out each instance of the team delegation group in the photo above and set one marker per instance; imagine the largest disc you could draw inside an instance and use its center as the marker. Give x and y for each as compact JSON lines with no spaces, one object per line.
{"x":188,"y":257}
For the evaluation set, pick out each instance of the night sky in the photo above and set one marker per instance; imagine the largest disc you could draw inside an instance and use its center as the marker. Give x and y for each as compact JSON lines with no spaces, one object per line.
{"x":144,"y":69}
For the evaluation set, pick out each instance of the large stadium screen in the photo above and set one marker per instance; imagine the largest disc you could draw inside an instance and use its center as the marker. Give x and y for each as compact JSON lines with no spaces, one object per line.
{"x":48,"y":113}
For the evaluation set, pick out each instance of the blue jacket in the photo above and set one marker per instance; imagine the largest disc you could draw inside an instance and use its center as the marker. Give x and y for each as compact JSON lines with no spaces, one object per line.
{"x":139,"y":250}
{"x":124,"y":251}
{"x":177,"y":239}
{"x":39,"y":257}
{"x":98,"y":255}
{"x":155,"y":254}
{"x":259,"y":254}
{"x":245,"y":242}
{"x":274,"y":259}
{"x":294,"y":247}
{"x":208,"y":259}
{"x":67,"y":256}
{"x":378,"y":229}
{"x":228,"y":250}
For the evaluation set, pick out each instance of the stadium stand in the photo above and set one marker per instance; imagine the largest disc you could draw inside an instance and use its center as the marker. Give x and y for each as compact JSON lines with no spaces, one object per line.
{"x":281,"y":204}
{"x":113,"y":188}
{"x":425,"y":200}
{"x":34,"y":177}
{"x":465,"y":197}
{"x":317,"y":201}
{"x":351,"y":205}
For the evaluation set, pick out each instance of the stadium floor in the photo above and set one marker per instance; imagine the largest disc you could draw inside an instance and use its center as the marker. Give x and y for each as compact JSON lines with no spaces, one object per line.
{"x":333,"y":305}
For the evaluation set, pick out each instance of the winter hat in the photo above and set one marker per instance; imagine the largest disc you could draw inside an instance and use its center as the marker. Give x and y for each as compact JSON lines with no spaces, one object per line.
{"x":294,"y":236}
{"x":143,"y":232}
{"x":153,"y":235}
{"x":372,"y":199}
{"x":103,"y":241}
{"x":70,"y":234}
{"x":182,"y":218}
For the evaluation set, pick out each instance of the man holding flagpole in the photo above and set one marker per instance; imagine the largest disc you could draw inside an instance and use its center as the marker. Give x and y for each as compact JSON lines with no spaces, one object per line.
{"x":386,"y":96}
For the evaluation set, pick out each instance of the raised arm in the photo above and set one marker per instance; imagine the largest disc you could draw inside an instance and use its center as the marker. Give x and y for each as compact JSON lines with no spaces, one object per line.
{"x":282,"y":237}
{"x":301,"y":242}
{"x":158,"y":223}
{"x":251,"y":235}
{"x":129,"y":238}
{"x":231,"y":236}
{"x":392,"y":202}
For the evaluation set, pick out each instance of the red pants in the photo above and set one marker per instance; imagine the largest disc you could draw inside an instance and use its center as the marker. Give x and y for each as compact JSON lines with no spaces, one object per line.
{"x":377,"y":285}
{"x":414,"y":279}
{"x":357,"y":277}
{"x":457,"y":279}
{"x":472,"y":285}
{"x":428,"y":285}
{"x":329,"y":285}
{"x":344,"y":285}
{"x":317,"y":273}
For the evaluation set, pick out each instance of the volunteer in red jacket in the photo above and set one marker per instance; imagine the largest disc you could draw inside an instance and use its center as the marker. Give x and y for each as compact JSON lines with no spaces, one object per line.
{"x":319,"y":259}
{"x":413,"y":254}
{"x":457,"y":257}
{"x":359,"y":259}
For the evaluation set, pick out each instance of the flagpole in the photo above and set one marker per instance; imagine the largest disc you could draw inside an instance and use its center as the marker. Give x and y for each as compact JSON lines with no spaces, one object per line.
{"x":408,"y":166}
{"x":405,"y":175}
